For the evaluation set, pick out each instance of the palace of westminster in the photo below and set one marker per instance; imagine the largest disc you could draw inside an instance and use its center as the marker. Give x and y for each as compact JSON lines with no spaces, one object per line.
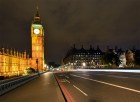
{"x":13,"y":63}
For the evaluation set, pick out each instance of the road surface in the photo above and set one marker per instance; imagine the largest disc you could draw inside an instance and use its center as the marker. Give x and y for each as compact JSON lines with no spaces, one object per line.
{"x":90,"y":86}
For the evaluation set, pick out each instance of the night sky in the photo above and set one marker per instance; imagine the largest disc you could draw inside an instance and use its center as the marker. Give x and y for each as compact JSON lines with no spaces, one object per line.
{"x":67,"y":22}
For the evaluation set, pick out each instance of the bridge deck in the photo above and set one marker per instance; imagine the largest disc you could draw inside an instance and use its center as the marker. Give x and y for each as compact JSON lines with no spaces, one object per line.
{"x":41,"y":89}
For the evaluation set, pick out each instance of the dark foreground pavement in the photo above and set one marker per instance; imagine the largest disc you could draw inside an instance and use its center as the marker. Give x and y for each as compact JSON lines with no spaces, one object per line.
{"x":42,"y":89}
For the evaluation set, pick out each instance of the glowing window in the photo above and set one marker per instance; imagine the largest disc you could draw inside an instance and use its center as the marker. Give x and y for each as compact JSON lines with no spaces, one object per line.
{"x":37,"y":48}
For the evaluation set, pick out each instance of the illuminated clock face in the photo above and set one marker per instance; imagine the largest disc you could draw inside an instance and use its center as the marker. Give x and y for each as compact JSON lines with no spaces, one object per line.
{"x":36,"y":31}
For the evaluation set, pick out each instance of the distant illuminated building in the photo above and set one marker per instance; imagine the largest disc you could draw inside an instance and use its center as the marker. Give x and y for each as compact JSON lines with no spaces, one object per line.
{"x":87,"y":58}
{"x":12,"y":63}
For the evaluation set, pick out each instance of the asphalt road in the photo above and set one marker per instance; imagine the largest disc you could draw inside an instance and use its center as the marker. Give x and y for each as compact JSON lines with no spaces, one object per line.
{"x":89,"y":86}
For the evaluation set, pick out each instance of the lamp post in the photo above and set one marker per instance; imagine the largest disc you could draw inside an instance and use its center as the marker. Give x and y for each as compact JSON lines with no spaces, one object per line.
{"x":37,"y":66}
{"x":76,"y":64}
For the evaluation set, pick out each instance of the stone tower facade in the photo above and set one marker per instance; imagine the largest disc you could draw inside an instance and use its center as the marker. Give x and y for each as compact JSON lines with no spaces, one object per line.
{"x":37,"y":36}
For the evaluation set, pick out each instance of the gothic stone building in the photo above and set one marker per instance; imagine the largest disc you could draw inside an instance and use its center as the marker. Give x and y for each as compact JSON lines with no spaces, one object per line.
{"x":13,"y":63}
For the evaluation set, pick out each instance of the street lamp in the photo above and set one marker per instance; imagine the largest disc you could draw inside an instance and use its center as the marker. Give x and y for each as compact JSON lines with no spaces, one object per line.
{"x":37,"y":66}
{"x":84,"y":64}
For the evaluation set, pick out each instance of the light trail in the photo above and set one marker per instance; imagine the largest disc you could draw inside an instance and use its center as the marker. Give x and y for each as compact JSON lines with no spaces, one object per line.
{"x":111,"y":70}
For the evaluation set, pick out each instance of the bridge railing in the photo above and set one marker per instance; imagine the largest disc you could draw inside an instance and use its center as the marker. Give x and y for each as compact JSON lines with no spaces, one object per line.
{"x":10,"y":84}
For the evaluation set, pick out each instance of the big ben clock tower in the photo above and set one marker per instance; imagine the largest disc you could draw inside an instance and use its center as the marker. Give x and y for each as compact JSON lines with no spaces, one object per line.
{"x":37,"y":35}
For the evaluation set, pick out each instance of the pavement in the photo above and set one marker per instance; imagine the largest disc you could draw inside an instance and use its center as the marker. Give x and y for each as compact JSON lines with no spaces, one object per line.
{"x":42,"y":89}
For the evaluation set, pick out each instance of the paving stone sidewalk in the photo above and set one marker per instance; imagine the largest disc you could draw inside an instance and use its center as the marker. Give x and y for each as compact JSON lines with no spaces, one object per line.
{"x":41,"y":89}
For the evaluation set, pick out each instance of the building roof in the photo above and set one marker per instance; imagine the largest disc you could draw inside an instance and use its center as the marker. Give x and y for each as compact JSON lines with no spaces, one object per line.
{"x":91,"y":51}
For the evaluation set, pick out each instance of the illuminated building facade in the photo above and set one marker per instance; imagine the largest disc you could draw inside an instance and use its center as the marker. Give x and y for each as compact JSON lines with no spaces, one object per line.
{"x":37,"y":35}
{"x":83,"y":58}
{"x":13,"y":63}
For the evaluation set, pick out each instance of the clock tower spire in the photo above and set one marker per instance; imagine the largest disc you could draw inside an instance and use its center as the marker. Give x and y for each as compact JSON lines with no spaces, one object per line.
{"x":37,"y":35}
{"x":37,"y":19}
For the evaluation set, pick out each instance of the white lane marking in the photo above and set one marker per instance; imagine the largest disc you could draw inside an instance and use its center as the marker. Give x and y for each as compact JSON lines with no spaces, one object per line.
{"x":64,"y":80}
{"x":130,"y":89}
{"x":80,"y":90}
{"x":67,"y":80}
{"x":66,"y":76}
{"x":117,"y":76}
{"x":112,"y":76}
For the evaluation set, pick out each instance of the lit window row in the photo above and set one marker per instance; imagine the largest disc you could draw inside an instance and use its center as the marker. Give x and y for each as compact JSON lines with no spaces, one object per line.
{"x":87,"y":53}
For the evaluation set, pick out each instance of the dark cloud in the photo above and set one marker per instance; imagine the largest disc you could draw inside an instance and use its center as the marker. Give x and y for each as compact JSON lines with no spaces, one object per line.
{"x":66,"y":22}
